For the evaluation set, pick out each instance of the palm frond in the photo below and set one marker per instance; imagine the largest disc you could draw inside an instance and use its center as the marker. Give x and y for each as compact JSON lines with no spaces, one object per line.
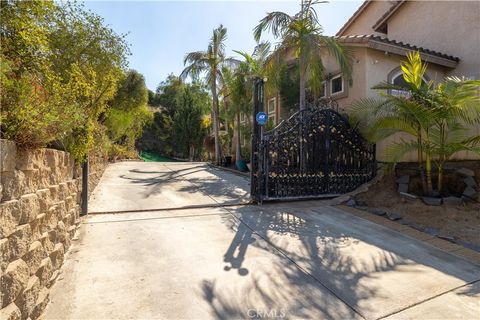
{"x":194,"y":56}
{"x":414,"y":70}
{"x":397,"y":150}
{"x":277,"y":22}
{"x":343,"y":56}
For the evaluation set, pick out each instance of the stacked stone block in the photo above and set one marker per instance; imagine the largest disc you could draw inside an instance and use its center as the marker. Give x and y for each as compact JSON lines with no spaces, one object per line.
{"x":39,"y":214}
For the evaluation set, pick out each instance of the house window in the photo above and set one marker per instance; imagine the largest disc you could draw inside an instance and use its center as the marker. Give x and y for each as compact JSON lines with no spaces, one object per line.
{"x":398,"y":80}
{"x":271,"y":106}
{"x":336,"y":85}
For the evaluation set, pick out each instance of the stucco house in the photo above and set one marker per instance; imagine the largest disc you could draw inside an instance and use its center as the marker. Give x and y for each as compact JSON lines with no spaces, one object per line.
{"x":381,"y":33}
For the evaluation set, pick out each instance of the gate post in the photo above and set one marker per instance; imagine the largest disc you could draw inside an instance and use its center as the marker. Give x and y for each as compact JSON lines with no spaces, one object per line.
{"x":256,"y":156}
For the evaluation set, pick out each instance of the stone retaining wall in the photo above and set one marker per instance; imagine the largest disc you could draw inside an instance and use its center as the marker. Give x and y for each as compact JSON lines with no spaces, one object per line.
{"x":40,"y":194}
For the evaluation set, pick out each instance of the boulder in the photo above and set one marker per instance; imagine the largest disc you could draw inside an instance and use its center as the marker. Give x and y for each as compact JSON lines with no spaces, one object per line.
{"x":470,"y":182}
{"x":452,"y":201}
{"x":432,"y":201}
{"x":469,"y":193}
{"x":378,"y":212}
{"x":351,"y":203}
{"x":393,"y":216}
{"x":466,"y":172}
{"x":403,"y":179}
{"x":403,"y":188}
{"x":408,"y":195}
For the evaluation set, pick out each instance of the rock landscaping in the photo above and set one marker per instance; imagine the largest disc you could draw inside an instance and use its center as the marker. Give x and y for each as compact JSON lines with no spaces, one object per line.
{"x":454,"y":217}
{"x":465,"y":175}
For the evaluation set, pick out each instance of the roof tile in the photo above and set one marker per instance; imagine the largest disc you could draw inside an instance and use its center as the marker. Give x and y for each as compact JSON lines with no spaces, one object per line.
{"x":371,"y":37}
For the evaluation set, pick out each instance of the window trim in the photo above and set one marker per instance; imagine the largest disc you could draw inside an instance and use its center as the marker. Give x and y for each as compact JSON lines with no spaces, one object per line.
{"x":397,"y":72}
{"x":274,"y":106}
{"x":331,"y":86}
{"x":392,"y":75}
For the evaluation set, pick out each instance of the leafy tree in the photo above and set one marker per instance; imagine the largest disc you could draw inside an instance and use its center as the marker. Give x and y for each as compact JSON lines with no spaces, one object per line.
{"x":131,"y":92}
{"x":127,"y":113}
{"x":60,"y":67}
{"x":189,"y":131}
{"x":302,"y":34}
{"x":210,"y":63}
{"x":153,"y":99}
{"x":157,"y":135}
{"x":167,"y":93}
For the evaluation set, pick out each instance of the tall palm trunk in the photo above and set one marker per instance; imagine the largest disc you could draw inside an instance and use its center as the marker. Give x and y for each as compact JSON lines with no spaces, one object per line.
{"x":302,"y":82}
{"x":238,"y":153}
{"x":420,"y":161}
{"x":428,"y":167}
{"x":215,"y":120}
{"x":442,"y":158}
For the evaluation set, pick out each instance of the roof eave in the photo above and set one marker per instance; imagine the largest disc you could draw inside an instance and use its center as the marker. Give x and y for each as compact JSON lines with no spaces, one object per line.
{"x":379,"y":25}
{"x":352,"y":19}
{"x":391,"y":48}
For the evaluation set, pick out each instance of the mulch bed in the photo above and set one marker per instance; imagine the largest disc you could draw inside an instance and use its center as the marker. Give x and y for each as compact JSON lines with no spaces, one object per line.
{"x":460,"y":223}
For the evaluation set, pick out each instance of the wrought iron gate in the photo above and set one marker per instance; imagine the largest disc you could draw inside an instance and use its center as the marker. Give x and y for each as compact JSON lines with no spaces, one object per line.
{"x":315,"y":153}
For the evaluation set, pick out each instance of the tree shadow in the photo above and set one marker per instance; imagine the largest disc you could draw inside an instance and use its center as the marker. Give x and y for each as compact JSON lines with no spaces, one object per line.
{"x":161,"y":179}
{"x":324,"y":270}
{"x":201,"y":178}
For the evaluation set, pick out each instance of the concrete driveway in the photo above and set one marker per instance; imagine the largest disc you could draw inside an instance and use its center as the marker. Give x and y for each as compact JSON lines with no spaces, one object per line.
{"x":288,"y":260}
{"x":153,"y":185}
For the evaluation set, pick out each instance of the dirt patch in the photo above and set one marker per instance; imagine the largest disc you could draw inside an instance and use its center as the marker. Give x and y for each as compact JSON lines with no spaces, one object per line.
{"x":460,"y":222}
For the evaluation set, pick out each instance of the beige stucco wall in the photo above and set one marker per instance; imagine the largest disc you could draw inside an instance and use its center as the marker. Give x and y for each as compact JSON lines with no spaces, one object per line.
{"x":357,"y":88}
{"x":451,"y":27}
{"x":379,"y":66}
{"x":364,"y":22}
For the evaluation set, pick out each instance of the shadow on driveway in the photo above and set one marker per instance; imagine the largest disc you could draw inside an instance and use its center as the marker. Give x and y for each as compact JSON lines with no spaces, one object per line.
{"x":373,"y":270}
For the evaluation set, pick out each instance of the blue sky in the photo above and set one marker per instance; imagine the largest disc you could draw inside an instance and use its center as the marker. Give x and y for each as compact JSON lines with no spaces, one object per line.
{"x":161,"y":32}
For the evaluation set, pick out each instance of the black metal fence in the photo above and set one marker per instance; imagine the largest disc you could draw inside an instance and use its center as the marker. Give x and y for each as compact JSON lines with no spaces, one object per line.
{"x":315,"y":153}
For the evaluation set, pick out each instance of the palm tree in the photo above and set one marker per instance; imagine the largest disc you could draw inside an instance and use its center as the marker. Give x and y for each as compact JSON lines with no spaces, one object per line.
{"x":303,"y":35}
{"x":406,"y":108}
{"x":458,"y":104}
{"x":210,"y":63}
{"x":434,"y":115}
{"x":239,"y":84}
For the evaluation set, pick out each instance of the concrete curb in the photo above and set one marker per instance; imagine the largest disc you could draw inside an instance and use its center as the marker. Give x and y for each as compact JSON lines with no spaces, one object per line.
{"x":243,"y":174}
